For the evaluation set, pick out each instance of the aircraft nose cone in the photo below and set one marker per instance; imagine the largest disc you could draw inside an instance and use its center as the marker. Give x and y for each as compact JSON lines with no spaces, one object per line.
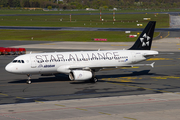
{"x":8,"y":68}
{"x":12,"y":68}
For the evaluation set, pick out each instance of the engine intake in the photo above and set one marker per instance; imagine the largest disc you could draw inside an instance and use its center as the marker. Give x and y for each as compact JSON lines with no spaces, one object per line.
{"x":80,"y":75}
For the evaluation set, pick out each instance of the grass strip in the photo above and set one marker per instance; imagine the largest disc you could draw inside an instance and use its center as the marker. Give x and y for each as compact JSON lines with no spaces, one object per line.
{"x":122,"y":21}
{"x":79,"y":36}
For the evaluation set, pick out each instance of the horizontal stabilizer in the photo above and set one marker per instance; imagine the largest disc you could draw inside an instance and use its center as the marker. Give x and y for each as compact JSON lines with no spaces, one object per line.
{"x":166,"y":53}
{"x":137,"y":65}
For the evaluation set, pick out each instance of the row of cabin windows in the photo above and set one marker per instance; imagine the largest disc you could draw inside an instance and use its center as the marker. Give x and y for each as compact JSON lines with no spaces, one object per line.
{"x":110,"y":58}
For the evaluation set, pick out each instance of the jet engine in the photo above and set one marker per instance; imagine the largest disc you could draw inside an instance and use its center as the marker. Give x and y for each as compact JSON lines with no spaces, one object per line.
{"x":80,"y":75}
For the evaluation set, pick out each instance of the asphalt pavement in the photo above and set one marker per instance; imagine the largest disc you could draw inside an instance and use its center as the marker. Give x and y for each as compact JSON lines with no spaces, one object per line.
{"x":127,"y":94}
{"x":83,"y":28}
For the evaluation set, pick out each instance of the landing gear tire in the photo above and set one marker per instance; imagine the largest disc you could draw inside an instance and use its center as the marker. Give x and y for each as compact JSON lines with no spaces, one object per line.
{"x":28,"y":82}
{"x":94,"y":80}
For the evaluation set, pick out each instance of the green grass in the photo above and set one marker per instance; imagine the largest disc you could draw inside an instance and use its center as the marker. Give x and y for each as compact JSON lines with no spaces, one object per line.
{"x":122,"y":21}
{"x":80,"y":36}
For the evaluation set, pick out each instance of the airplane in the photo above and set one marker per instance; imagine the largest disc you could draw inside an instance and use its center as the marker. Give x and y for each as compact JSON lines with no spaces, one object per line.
{"x":82,"y":65}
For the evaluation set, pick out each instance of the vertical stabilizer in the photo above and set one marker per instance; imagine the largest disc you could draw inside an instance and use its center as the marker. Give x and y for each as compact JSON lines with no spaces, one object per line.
{"x":145,"y":39}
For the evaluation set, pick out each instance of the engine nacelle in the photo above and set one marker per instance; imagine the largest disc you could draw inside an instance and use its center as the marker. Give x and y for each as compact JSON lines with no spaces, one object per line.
{"x":80,"y":75}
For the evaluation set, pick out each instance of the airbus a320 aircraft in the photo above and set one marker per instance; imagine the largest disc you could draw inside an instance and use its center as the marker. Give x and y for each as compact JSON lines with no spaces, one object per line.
{"x":83,"y":65}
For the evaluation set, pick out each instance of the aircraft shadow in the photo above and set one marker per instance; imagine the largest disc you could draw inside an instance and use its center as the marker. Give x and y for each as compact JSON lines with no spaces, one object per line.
{"x":44,"y":79}
{"x":133,"y":74}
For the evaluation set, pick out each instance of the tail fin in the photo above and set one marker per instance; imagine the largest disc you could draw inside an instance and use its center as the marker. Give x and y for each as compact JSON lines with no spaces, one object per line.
{"x":145,"y":39}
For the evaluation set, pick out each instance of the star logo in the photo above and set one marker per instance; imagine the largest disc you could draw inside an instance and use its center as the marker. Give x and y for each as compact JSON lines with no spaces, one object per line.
{"x":145,"y":40}
{"x":40,"y":65}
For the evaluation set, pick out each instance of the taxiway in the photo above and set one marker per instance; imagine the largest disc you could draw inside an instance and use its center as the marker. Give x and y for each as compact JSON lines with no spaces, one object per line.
{"x":128,"y":93}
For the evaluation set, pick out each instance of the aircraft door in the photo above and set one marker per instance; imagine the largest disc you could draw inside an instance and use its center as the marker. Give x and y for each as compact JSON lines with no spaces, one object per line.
{"x":33,"y":62}
{"x":133,"y":57}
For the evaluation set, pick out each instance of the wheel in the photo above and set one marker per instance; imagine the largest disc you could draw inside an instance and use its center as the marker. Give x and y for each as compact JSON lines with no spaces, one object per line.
{"x":94,"y":80}
{"x":28,"y":82}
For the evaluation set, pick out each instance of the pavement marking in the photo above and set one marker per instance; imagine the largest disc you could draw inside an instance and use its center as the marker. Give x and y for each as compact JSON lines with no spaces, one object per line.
{"x":81,"y":109}
{"x":20,"y":98}
{"x":104,"y":113}
{"x":141,"y":88}
{"x":10,"y":84}
{"x":35,"y":83}
{"x":122,"y":79}
{"x":134,"y":67}
{"x":158,"y":77}
{"x":167,"y":65}
{"x":130,"y":118}
{"x":150,"y":99}
{"x":130,"y":78}
{"x":148,"y":88}
{"x":118,"y":45}
{"x":38,"y":101}
{"x":165,"y":77}
{"x":11,"y":117}
{"x":153,"y":46}
{"x":47,"y":44}
{"x":167,"y":35}
{"x":126,"y":81}
{"x":128,"y":67}
{"x":3,"y":94}
{"x":93,"y":106}
{"x":159,"y":59}
{"x":60,"y":105}
{"x":117,"y":80}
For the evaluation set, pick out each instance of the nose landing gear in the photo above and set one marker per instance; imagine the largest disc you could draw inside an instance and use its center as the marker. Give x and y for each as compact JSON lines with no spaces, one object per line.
{"x":29,"y":79}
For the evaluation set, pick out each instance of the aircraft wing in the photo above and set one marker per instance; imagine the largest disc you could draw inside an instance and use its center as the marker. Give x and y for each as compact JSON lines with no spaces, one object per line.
{"x":96,"y":68}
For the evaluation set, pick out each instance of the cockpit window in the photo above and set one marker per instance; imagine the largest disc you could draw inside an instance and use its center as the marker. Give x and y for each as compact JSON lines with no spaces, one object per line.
{"x":18,"y":61}
{"x":14,"y":61}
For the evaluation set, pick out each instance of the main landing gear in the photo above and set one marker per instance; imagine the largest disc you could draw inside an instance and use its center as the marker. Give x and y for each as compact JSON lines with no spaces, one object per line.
{"x":94,"y":80}
{"x":29,"y":79}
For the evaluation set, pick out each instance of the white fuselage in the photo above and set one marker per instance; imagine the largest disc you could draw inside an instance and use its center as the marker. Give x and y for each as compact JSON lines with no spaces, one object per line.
{"x":64,"y":62}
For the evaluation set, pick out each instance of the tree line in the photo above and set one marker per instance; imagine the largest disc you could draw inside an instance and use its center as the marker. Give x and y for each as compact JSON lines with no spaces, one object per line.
{"x":95,"y":4}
